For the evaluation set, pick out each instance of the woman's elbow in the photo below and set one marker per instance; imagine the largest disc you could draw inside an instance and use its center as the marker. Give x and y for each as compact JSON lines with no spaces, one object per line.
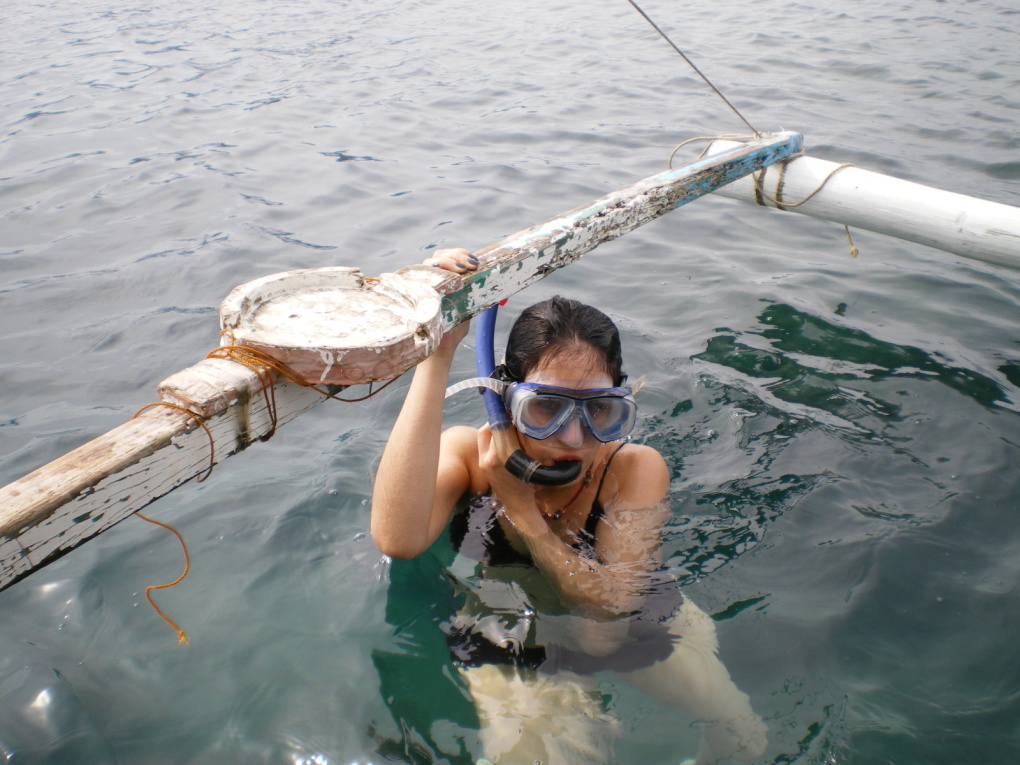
{"x":395,"y":548}
{"x":396,"y":543}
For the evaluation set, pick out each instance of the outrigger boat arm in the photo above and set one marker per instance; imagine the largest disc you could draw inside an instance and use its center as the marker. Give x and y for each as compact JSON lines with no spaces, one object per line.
{"x":72,"y":499}
{"x":971,"y":228}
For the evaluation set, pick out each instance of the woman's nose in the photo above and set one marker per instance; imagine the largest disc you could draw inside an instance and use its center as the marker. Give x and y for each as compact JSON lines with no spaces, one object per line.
{"x":572,"y":432}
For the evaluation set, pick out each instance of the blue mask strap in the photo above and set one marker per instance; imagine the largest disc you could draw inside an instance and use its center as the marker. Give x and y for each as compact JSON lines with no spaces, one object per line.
{"x":517,"y":463}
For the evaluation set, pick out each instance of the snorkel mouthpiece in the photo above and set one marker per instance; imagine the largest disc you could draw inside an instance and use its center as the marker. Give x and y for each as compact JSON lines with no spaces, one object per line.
{"x":521,"y":466}
{"x":516,"y":462}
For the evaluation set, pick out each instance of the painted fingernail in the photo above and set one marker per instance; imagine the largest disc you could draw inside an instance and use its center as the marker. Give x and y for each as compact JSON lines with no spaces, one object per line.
{"x":460,"y":265}
{"x":473,"y":259}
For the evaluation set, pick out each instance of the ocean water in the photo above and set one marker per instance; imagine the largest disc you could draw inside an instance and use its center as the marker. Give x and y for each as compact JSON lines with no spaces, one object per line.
{"x":843,"y":432}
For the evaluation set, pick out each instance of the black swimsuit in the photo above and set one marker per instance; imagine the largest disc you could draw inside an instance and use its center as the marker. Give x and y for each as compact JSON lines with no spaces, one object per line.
{"x":503,"y":633}
{"x":477,"y":534}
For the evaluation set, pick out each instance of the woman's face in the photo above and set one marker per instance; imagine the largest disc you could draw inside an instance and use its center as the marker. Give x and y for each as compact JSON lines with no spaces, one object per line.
{"x":577,"y":368}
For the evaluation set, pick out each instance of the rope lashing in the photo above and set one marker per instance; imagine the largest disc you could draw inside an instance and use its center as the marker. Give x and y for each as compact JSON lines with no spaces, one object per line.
{"x":758,"y":179}
{"x":761,"y":197}
{"x":196,"y":418}
{"x":778,"y":200}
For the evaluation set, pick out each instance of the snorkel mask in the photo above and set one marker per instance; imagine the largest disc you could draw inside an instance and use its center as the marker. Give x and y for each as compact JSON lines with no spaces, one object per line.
{"x":539,"y":411}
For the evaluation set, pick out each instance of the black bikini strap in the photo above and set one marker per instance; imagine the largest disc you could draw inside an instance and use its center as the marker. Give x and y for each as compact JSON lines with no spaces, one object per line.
{"x":597,"y":510}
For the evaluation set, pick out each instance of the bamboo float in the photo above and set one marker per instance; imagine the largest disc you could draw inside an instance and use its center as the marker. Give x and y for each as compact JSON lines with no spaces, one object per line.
{"x":72,"y":499}
{"x":965,"y":226}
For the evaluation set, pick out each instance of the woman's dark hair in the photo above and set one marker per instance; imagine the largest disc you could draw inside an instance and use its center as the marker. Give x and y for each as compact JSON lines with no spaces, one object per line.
{"x":556,"y":322}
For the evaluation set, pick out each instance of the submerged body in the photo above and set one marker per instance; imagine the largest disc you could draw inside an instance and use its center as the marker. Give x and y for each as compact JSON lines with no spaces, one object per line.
{"x":561,"y":581}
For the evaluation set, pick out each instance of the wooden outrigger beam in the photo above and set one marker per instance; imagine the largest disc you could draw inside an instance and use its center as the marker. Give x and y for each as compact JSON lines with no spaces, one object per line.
{"x":74,"y":498}
{"x":965,"y":226}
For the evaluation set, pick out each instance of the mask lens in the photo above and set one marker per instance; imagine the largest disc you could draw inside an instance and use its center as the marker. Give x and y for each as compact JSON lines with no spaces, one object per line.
{"x":610,"y":418}
{"x":541,"y":412}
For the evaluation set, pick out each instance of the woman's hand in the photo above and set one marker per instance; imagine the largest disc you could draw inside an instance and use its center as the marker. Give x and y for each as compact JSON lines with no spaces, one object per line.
{"x":608,"y":585}
{"x":459,"y":261}
{"x":455,"y":259}
{"x":516,"y":496}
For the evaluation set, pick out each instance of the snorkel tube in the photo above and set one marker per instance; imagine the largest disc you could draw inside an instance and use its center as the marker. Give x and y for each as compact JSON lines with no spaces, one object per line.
{"x":516,"y":462}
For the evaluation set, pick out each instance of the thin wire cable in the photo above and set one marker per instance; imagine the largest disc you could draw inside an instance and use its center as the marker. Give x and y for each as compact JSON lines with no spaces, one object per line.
{"x":695,"y":68}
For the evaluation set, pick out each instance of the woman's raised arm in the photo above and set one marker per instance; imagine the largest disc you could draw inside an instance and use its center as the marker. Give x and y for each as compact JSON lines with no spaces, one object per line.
{"x":423,"y":471}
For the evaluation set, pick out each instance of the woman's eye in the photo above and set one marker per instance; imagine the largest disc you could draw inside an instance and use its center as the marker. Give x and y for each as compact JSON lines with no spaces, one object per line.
{"x":545,"y":408}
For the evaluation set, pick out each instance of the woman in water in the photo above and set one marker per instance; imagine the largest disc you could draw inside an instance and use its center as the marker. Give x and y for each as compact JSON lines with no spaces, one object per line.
{"x":565,"y":580}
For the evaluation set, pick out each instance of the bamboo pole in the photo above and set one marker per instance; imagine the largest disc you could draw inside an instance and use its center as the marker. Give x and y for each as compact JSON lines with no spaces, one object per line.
{"x":965,"y":226}
{"x":72,"y":499}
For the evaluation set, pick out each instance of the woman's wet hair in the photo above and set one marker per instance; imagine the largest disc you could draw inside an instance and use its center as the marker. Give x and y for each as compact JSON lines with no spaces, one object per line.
{"x":561,"y":323}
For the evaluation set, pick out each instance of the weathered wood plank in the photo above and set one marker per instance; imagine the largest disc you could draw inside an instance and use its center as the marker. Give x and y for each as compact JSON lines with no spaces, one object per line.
{"x":68,"y":501}
{"x":79,"y":495}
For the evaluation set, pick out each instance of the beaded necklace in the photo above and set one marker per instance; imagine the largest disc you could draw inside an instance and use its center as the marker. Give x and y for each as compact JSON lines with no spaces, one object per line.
{"x":557,"y":514}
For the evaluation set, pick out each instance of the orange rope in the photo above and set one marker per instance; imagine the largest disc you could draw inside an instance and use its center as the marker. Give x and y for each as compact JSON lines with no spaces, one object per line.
{"x":263,"y":365}
{"x":196,"y":418}
{"x":182,"y":636}
{"x":257,"y":361}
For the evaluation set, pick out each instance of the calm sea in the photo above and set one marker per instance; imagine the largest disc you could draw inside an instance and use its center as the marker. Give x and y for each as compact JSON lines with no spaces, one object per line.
{"x":843,"y":432}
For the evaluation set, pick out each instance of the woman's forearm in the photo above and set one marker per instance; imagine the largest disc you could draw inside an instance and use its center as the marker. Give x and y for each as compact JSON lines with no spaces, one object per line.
{"x":405,"y":483}
{"x":406,"y":517}
{"x":591,"y":588}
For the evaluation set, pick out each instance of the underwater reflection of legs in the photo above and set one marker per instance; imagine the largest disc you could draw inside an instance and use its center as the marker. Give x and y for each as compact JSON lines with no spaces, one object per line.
{"x":694,"y":680}
{"x":529,"y":717}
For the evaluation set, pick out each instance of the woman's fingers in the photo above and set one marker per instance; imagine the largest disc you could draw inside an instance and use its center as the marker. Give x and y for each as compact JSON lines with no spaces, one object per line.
{"x":457,"y":259}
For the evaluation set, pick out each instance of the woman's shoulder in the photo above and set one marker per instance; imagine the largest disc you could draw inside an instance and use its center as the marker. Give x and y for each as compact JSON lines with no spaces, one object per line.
{"x":639,"y":457}
{"x":462,"y":436}
{"x":460,"y":442}
{"x":635,"y":507}
{"x":641,"y":474}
